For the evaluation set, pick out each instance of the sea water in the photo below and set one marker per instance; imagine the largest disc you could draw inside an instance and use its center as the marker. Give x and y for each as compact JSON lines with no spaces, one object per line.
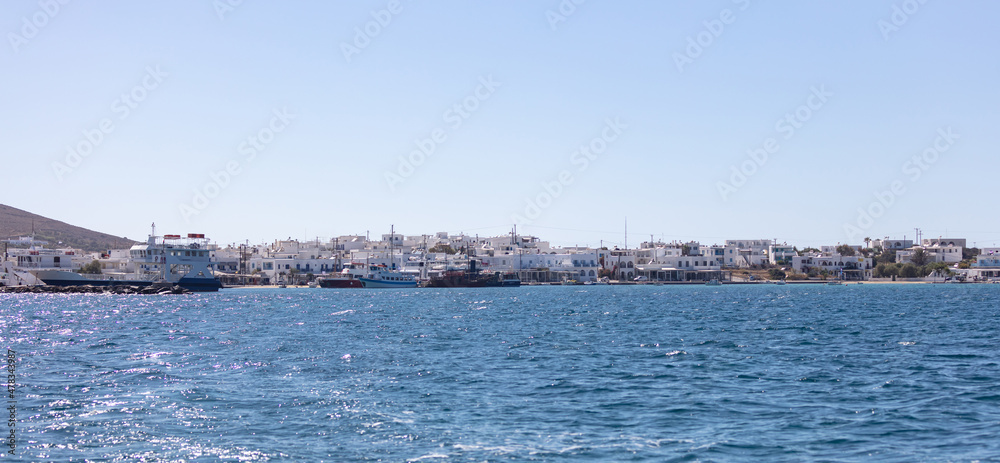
{"x":573,"y":373}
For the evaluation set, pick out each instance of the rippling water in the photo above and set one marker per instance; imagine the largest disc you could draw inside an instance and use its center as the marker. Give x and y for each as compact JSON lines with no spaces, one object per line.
{"x":685,"y":373}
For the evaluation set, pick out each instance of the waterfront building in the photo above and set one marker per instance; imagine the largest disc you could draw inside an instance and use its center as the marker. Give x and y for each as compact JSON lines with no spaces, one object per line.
{"x":747,"y":253}
{"x":856,"y":267}
{"x":987,"y":265}
{"x":933,"y":253}
{"x":781,"y":254}
{"x":679,"y":262}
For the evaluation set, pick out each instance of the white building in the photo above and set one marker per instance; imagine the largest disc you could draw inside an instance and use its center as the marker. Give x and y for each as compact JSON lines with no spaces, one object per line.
{"x":947,"y":254}
{"x":679,"y":262}
{"x":781,"y":254}
{"x":838,"y":266}
{"x":746,"y":253}
{"x":987,"y":265}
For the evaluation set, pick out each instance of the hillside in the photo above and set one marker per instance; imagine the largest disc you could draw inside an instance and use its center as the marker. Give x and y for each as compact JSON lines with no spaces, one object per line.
{"x":15,"y":222}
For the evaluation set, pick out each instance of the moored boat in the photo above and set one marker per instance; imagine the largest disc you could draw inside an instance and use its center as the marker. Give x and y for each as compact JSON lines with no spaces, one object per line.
{"x":471,"y":277}
{"x":381,"y":277}
{"x":184,"y":262}
{"x":349,"y":277}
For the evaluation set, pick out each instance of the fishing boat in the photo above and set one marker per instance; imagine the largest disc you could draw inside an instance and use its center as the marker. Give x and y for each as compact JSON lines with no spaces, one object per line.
{"x":471,"y":277}
{"x":379,"y":276}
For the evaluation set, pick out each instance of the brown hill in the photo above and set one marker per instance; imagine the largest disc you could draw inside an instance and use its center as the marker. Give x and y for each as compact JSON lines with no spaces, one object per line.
{"x":15,"y":223}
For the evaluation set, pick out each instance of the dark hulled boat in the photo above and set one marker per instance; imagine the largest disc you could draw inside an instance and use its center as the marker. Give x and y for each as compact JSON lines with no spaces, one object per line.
{"x":473,"y":278}
{"x":347,"y":278}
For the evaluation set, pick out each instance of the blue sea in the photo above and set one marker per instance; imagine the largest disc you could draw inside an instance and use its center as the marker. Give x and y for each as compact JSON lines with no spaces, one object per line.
{"x":574,"y":373}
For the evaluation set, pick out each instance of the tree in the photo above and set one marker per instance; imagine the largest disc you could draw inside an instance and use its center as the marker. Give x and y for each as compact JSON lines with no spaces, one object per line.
{"x":445,"y":248}
{"x":885,"y":270}
{"x":886,"y":257}
{"x":909,"y":270}
{"x":941,"y":268}
{"x":845,"y":250}
{"x":919,"y":257}
{"x":94,"y":267}
{"x":776,"y":274}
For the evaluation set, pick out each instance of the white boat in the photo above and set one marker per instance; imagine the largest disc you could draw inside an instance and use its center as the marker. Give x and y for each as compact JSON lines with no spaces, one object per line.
{"x":381,"y":277}
{"x":713,"y":282}
{"x":185,"y":262}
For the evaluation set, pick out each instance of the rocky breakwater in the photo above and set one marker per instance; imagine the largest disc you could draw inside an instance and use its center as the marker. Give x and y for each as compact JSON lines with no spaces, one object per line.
{"x":88,"y":289}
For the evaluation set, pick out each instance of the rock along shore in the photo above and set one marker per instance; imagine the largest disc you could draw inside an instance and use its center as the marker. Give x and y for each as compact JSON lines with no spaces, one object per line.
{"x":89,"y":289}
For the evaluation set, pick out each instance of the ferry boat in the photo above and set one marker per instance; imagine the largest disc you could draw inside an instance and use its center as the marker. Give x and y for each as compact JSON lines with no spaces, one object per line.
{"x":185,"y":262}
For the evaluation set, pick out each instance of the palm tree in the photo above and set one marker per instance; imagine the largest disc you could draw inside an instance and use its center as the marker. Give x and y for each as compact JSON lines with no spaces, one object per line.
{"x":867,"y":241}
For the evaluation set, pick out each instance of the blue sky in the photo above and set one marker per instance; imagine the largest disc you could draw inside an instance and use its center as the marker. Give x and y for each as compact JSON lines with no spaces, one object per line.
{"x":313,"y":131}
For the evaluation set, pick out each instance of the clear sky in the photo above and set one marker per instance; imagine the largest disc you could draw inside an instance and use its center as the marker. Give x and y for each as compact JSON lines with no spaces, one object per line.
{"x":868,"y":117}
